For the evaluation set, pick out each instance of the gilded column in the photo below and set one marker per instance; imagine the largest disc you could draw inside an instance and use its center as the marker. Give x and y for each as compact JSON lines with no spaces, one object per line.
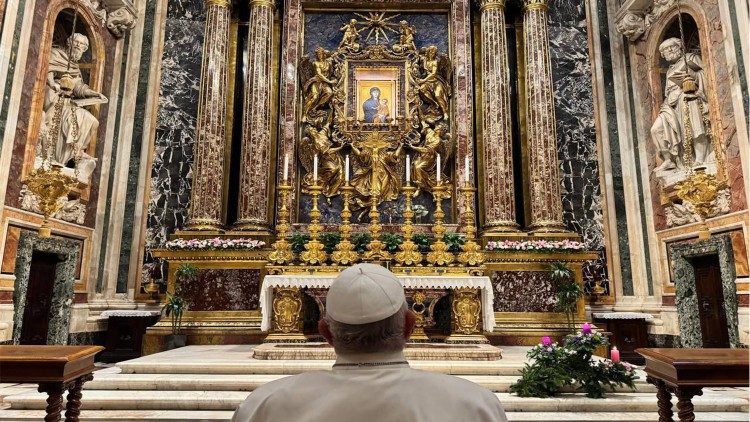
{"x":546,"y":205}
{"x":499,"y":210}
{"x":255,"y":176}
{"x":205,"y":211}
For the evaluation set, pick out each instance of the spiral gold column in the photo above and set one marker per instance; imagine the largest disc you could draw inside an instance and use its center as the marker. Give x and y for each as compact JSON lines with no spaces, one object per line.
{"x":546,"y":205}
{"x":499,"y":200}
{"x":255,"y":177}
{"x":205,"y":211}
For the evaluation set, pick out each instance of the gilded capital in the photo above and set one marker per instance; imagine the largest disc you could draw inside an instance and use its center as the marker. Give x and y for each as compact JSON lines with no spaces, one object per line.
{"x":219,"y":3}
{"x":268,"y":3}
{"x":491,"y":4}
{"x":530,"y":5}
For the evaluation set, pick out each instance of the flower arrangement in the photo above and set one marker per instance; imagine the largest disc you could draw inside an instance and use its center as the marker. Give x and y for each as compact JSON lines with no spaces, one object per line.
{"x":536,"y":245}
{"x":216,"y":243}
{"x":555,"y":367}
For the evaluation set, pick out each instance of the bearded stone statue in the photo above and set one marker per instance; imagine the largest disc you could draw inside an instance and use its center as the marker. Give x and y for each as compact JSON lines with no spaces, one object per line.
{"x":76,"y":124}
{"x":684,"y":112}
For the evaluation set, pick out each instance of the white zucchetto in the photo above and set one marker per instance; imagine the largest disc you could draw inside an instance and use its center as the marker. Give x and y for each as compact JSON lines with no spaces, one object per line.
{"x":364,"y":293}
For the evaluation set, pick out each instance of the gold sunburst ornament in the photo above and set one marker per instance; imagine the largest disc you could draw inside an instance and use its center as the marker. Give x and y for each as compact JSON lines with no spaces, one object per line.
{"x":378,"y":25}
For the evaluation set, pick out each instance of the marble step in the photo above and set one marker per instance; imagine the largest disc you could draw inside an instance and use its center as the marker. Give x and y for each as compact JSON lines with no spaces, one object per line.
{"x":227,"y":382}
{"x":289,"y":367}
{"x":711,"y":401}
{"x":223,"y":415}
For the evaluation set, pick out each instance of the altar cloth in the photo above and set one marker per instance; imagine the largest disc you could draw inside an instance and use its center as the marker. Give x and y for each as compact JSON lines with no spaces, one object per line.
{"x":408,"y":281}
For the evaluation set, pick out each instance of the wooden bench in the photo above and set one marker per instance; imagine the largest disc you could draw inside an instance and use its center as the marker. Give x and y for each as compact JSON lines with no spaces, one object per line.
{"x":56,"y":369}
{"x":684,"y":373}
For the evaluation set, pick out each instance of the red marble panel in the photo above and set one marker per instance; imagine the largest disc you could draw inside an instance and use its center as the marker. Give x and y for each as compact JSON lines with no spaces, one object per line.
{"x":223,"y":290}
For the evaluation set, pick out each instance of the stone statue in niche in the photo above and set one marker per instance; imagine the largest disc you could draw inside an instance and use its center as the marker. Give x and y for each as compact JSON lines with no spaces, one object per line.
{"x":66,"y":140}
{"x":681,"y":131}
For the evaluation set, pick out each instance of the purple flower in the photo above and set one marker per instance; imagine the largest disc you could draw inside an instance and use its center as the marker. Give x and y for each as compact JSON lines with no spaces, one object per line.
{"x":586,"y":328}
{"x":546,"y":340}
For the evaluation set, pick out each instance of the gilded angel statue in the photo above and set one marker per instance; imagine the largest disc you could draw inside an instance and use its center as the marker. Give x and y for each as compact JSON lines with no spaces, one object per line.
{"x":318,"y":79}
{"x":350,"y":40}
{"x":330,"y":164}
{"x":433,"y":79}
{"x":424,"y":166}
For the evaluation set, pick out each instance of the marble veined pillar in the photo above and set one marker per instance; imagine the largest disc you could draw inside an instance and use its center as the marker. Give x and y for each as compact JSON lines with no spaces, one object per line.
{"x":546,"y":204}
{"x":255,"y":172}
{"x":205,"y":211}
{"x":499,"y":200}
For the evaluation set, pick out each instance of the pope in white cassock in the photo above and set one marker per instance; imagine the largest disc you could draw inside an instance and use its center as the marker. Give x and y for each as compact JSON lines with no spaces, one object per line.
{"x":368,"y":324}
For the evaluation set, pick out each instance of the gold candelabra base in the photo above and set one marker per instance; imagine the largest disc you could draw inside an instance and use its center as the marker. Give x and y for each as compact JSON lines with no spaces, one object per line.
{"x":314,"y":253}
{"x":376,"y":248}
{"x":408,"y":253}
{"x":282,"y":249}
{"x":471,"y":253}
{"x":439,"y":254}
{"x":50,"y":185}
{"x":345,"y":253}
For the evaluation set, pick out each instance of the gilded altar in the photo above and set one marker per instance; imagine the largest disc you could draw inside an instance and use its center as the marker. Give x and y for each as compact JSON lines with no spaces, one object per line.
{"x":376,"y":159}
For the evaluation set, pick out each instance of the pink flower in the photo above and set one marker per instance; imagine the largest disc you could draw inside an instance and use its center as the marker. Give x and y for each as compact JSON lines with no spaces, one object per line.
{"x":586,"y":328}
{"x":546,"y":340}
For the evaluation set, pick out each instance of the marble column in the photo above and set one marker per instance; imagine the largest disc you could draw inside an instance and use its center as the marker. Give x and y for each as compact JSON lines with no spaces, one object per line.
{"x":205,"y":211}
{"x":255,"y":177}
{"x":499,"y":209}
{"x":546,"y":204}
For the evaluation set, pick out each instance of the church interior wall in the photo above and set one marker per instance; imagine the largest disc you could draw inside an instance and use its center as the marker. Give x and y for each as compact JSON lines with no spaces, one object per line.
{"x":728,"y":117}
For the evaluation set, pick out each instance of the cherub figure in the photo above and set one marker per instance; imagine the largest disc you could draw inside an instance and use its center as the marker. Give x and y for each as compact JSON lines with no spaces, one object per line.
{"x":350,"y":40}
{"x":406,"y":38}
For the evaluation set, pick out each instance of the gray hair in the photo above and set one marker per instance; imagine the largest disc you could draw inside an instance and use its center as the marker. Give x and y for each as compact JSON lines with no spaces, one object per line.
{"x":386,"y":335}
{"x":670,"y":42}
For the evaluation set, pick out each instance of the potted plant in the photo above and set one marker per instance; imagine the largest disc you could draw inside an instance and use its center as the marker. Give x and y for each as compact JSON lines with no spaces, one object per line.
{"x":568,"y":291}
{"x":173,"y":309}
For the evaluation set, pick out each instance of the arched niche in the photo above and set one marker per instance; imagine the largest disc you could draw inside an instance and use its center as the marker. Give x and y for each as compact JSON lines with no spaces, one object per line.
{"x":58,"y":26}
{"x":696,"y":47}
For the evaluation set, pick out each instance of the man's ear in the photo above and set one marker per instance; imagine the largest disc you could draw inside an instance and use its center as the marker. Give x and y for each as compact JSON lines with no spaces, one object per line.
{"x":325,"y":331}
{"x":410,"y":319}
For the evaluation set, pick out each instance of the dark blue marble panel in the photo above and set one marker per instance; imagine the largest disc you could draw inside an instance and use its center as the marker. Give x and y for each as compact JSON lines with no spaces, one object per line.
{"x":322,"y":29}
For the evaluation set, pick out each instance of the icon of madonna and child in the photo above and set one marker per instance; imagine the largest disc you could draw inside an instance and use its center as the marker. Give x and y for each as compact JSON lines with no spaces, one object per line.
{"x":376,"y":108}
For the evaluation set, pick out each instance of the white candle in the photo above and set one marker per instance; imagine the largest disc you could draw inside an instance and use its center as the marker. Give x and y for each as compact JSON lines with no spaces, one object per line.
{"x":346,"y":169}
{"x":286,"y":167}
{"x":408,"y":168}
{"x":315,"y":168}
{"x":466,"y":169}
{"x":438,"y":168}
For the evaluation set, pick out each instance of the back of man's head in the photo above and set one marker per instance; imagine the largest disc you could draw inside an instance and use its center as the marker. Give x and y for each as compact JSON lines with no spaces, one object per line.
{"x":366,"y":311}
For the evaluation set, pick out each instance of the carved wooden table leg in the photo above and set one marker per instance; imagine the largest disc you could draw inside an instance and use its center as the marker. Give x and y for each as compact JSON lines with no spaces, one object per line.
{"x":54,"y":392}
{"x":73,"y":407}
{"x":663,"y":398}
{"x":685,"y":410}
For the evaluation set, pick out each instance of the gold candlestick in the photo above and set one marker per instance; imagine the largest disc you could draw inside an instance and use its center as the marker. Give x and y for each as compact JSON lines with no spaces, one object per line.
{"x":345,"y":253}
{"x":314,"y":253}
{"x":439,"y":254}
{"x":375,"y":249}
{"x":408,"y":251}
{"x":471,"y":253}
{"x":282,"y":249}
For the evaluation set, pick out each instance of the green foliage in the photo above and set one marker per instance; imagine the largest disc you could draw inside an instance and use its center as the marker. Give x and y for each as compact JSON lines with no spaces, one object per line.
{"x":392,"y":241}
{"x":555,"y":367}
{"x":173,"y":309}
{"x":568,"y":291}
{"x":454,"y":241}
{"x":360,"y":241}
{"x":423,"y":241}
{"x":298,"y":240}
{"x":330,"y":240}
{"x":186,"y":272}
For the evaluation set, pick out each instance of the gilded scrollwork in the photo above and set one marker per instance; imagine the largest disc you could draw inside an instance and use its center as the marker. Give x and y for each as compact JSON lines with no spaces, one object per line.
{"x":414,"y":116}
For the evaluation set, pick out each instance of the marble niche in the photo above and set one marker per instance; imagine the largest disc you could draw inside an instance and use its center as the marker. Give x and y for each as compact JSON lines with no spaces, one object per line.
{"x":62,"y":293}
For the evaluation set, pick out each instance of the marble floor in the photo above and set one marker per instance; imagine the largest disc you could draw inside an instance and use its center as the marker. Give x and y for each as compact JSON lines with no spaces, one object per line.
{"x":205,"y":383}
